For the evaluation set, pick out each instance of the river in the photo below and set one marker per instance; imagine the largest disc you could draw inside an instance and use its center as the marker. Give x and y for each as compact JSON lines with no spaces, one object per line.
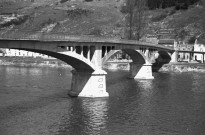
{"x":34,"y":101}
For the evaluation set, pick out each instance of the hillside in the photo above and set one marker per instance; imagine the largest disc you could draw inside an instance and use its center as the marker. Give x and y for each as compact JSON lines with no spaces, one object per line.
{"x":189,"y":22}
{"x":98,"y":18}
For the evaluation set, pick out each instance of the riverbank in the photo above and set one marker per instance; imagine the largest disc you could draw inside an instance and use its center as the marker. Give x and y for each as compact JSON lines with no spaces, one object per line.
{"x":183,"y":67}
{"x":40,"y":62}
{"x":171,"y":67}
{"x":32,"y":62}
{"x":117,"y":66}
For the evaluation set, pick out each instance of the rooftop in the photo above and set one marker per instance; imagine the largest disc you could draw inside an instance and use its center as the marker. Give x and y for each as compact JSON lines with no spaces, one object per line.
{"x":166,"y":41}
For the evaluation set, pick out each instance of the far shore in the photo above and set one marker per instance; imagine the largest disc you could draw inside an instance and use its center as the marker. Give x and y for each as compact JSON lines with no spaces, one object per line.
{"x":183,"y":67}
{"x":171,"y":67}
{"x":40,"y":62}
{"x":32,"y":62}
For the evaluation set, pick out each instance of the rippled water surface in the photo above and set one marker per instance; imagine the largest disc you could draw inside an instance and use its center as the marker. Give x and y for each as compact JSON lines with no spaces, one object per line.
{"x":34,"y":101}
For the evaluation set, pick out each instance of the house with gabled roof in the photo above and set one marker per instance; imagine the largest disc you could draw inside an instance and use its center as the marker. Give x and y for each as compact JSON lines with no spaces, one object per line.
{"x":199,"y":46}
{"x":167,"y":42}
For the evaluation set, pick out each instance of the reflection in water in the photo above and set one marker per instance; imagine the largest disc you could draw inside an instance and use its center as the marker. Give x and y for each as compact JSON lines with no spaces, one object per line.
{"x":34,"y":101}
{"x":196,"y":83}
{"x":147,"y":92}
{"x":87,"y":117}
{"x":96,"y":112}
{"x":146,"y":87}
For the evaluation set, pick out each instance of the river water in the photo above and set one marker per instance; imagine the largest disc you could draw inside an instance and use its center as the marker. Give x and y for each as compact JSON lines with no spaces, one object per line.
{"x":34,"y":101}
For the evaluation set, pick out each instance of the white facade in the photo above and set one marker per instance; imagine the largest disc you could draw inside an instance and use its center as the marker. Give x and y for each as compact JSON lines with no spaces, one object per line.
{"x":185,"y":56}
{"x":199,"y":47}
{"x":21,"y":53}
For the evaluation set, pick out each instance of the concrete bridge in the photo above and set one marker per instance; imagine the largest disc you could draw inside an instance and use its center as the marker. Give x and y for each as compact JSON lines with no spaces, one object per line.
{"x":87,"y":55}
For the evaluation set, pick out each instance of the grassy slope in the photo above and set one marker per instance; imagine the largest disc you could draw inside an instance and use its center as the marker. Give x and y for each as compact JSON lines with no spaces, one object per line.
{"x":100,"y":19}
{"x":192,"y":20}
{"x":11,"y":6}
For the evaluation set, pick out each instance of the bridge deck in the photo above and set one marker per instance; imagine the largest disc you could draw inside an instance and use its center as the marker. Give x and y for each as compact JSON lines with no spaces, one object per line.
{"x":81,"y":39}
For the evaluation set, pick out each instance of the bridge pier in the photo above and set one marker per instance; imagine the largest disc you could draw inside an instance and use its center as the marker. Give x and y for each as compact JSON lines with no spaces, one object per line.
{"x":174,"y":56}
{"x":86,"y":84}
{"x":141,"y":71}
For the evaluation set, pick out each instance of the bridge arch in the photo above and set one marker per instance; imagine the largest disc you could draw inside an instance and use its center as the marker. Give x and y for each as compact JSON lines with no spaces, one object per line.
{"x":140,"y":68}
{"x":160,"y":58}
{"x":164,"y":55}
{"x":136,"y":56}
{"x":78,"y":62}
{"x":53,"y":49}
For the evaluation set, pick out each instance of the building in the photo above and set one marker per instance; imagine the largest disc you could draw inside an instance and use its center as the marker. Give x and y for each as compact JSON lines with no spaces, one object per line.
{"x":185,"y":56}
{"x":168,"y":33}
{"x":199,"y":46}
{"x":2,"y":52}
{"x":151,"y":39}
{"x":22,"y":53}
{"x":167,"y":42}
{"x":166,"y":37}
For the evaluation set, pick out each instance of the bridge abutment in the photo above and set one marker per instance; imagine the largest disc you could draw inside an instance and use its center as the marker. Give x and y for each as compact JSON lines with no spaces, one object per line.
{"x":86,"y":84}
{"x":141,"y":71}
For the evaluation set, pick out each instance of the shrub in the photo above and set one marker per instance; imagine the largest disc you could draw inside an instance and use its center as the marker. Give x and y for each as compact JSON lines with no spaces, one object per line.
{"x":183,"y":6}
{"x":63,"y":1}
{"x":192,"y":40}
{"x":119,"y":24}
{"x":96,"y":32}
{"x":88,"y":0}
{"x":171,"y":12}
{"x":124,"y":9}
{"x":47,"y":22}
{"x":77,"y":12}
{"x":159,"y":17}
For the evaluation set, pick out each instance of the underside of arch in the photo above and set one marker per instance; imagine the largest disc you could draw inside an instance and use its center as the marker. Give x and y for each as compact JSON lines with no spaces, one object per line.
{"x":137,"y":57}
{"x":162,"y":58}
{"x":109,"y":55}
{"x":77,"y":61}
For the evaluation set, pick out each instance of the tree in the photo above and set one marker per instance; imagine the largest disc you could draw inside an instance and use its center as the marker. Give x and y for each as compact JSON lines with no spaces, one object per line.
{"x":130,"y":10}
{"x":136,"y":18}
{"x":180,"y":4}
{"x":182,"y":34}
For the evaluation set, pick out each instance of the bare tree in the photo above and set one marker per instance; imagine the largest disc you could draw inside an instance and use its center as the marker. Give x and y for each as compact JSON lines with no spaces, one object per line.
{"x":130,"y":6}
{"x":140,"y":18}
{"x":136,"y":18}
